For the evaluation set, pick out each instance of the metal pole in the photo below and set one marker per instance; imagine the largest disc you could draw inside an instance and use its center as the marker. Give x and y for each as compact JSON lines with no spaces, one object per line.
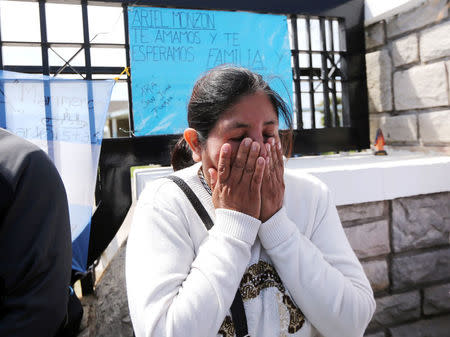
{"x":87,"y":54}
{"x":86,"y":44}
{"x":46,"y":71}
{"x":127,"y":53}
{"x":324,"y":74}
{"x":336,"y":122}
{"x":311,"y":85}
{"x":346,"y":121}
{"x":297,"y":93}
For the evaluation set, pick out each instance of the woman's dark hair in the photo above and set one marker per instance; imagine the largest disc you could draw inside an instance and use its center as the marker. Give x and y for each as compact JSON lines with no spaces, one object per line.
{"x":217,"y":91}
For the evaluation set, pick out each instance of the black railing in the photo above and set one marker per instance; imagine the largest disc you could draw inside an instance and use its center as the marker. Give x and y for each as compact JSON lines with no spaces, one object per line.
{"x":329,"y":90}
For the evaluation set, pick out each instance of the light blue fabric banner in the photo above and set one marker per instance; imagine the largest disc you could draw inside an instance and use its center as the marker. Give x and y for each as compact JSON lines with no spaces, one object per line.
{"x":171,"y":48}
{"x":66,"y":119}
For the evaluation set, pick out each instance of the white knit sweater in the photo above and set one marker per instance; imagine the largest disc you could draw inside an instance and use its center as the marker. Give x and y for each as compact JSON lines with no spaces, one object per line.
{"x":299,"y":274}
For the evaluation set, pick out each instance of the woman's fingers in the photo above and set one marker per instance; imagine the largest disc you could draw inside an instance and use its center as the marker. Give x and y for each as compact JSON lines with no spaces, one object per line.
{"x":212,"y":178}
{"x":249,"y":168}
{"x":277,"y":159}
{"x":280,"y":167}
{"x":258,"y":175}
{"x":240,"y":160}
{"x":273,"y":154}
{"x":272,"y":189}
{"x":268,"y":162}
{"x":224,"y":163}
{"x":279,"y":152}
{"x":274,"y":169}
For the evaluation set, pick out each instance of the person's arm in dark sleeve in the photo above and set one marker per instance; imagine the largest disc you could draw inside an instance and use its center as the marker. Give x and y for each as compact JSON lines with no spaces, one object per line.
{"x":35,"y":248}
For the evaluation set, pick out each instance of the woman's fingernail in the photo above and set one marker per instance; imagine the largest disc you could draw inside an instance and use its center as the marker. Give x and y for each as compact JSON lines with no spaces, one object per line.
{"x":254,"y":146}
{"x":279,"y":146}
{"x":247,"y":141}
{"x":272,"y":141}
{"x":260,"y":161}
{"x":268,"y":147}
{"x":225,"y":148}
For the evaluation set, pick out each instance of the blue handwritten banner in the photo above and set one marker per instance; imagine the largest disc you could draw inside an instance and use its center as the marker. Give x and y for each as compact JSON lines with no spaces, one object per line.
{"x":171,"y":48}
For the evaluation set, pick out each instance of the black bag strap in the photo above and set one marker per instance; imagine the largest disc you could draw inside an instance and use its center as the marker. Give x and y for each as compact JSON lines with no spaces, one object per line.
{"x":196,"y":203}
{"x":237,"y":307}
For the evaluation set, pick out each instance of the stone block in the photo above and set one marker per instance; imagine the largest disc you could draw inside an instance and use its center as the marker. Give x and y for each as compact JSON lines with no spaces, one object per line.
{"x":361,"y":211}
{"x":399,"y":128}
{"x":377,"y":273}
{"x":425,"y":13}
{"x":435,"y":327}
{"x":396,"y":309}
{"x":421,"y":87}
{"x":436,"y":299}
{"x":434,"y":127}
{"x":375,"y":35}
{"x":420,"y":221}
{"x":379,"y":86}
{"x":405,"y":50}
{"x":370,"y":239}
{"x":447,"y":65}
{"x":435,"y":42}
{"x":417,"y":269}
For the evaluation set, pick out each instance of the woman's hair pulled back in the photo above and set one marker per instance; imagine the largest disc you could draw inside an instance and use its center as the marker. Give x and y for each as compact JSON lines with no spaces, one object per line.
{"x":217,"y":91}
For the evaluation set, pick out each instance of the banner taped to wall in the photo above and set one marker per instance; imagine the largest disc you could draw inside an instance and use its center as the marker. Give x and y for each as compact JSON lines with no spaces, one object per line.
{"x":171,"y":48}
{"x":65,"y":118}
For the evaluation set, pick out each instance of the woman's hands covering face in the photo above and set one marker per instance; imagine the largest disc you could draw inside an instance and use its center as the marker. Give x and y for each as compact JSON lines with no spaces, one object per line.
{"x":251,"y":184}
{"x":237,"y":186}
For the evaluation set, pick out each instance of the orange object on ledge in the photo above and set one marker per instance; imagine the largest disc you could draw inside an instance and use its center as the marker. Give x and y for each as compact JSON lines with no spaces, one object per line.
{"x":379,"y":144}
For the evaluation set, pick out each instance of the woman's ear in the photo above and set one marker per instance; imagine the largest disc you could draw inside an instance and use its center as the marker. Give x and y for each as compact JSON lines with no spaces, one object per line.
{"x":191,"y":137}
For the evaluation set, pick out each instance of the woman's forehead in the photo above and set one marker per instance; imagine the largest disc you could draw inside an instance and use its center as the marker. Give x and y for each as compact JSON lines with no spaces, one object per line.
{"x":256,"y":107}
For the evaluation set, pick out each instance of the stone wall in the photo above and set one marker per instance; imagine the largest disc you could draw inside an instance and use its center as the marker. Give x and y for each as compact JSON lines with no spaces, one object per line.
{"x":404,"y":247}
{"x":408,"y":77}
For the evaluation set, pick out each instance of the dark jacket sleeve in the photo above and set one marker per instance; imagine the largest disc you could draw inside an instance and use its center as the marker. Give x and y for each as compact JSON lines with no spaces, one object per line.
{"x":35,"y":245}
